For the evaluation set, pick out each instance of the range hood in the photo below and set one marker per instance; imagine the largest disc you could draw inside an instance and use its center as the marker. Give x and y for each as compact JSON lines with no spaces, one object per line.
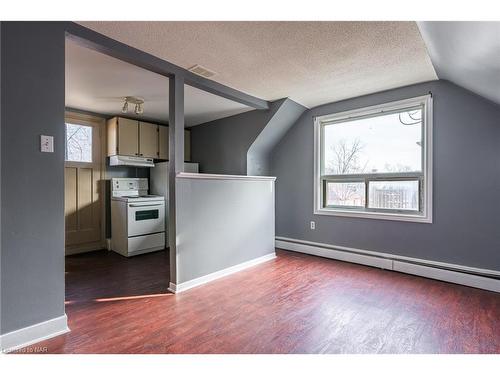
{"x":132,"y":161}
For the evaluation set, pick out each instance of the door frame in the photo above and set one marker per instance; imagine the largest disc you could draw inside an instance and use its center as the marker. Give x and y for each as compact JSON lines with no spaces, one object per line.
{"x":98,"y":122}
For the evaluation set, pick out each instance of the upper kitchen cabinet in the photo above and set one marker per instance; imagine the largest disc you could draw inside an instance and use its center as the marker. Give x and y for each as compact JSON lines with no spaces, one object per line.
{"x":148,"y":140}
{"x":132,"y":138}
{"x":137,"y":138}
{"x":123,"y":137}
{"x":163,"y":143}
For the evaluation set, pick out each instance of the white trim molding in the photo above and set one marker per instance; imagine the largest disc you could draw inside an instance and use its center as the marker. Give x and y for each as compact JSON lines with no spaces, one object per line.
{"x":424,"y":215}
{"x":207,"y":176}
{"x":172,"y":287}
{"x":37,"y":332}
{"x":454,"y":273}
{"x":177,"y":288}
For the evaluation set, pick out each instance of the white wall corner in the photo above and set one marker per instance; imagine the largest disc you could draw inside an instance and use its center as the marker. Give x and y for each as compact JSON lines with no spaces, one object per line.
{"x":20,"y":338}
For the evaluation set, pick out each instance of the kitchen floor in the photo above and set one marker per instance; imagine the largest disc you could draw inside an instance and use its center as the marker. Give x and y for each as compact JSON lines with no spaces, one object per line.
{"x":294,"y":304}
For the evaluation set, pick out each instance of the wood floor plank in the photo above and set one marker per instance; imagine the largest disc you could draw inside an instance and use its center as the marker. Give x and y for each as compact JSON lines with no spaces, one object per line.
{"x":295,"y":303}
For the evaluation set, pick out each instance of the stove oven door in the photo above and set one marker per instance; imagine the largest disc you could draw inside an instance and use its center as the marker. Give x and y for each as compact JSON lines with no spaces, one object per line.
{"x":146,"y":218}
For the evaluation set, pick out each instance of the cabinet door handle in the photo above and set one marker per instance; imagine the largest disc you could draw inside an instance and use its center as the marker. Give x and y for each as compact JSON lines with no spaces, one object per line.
{"x":145,"y":205}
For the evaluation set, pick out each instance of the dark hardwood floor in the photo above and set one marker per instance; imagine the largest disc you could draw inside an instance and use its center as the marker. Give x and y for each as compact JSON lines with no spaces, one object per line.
{"x":293,"y":304}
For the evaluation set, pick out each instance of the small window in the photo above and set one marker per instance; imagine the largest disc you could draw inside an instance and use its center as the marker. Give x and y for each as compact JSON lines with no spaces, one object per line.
{"x":376,"y":162}
{"x":78,"y":143}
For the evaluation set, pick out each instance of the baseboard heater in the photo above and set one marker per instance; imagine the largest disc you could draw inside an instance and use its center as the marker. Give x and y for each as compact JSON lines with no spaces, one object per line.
{"x":458,"y":274}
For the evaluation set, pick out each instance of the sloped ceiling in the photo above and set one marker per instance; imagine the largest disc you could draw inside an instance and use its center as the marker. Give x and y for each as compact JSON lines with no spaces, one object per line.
{"x":311,"y":62}
{"x":466,"y":53}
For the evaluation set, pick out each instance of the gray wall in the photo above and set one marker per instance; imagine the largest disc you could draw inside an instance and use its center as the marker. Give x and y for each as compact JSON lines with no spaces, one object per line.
{"x":259,"y":154}
{"x":1,"y":119}
{"x":221,"y":146}
{"x":466,"y":225}
{"x":222,"y":223}
{"x":32,"y":191}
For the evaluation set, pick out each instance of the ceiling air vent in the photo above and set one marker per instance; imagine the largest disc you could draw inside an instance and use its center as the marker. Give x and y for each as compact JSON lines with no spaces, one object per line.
{"x":201,"y":71}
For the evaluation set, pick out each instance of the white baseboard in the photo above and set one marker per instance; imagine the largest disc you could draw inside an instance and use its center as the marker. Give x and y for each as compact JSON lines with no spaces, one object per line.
{"x":30,"y":335}
{"x":448,"y":272}
{"x":448,"y":276}
{"x":177,"y":288}
{"x":366,"y":260}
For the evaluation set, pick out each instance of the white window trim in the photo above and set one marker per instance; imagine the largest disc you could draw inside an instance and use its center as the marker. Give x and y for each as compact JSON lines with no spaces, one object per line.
{"x":426,"y":215}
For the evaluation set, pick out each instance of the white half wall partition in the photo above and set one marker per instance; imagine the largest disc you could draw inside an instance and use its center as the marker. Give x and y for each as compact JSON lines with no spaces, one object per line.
{"x":225,"y":223}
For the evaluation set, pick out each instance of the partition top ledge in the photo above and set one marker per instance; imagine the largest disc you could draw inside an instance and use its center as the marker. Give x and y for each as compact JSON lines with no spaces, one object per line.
{"x":208,"y":176}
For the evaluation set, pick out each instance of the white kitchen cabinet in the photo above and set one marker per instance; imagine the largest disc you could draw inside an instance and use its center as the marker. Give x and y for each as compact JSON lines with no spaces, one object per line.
{"x":148,"y":140}
{"x":132,"y":138}
{"x":138,"y":138}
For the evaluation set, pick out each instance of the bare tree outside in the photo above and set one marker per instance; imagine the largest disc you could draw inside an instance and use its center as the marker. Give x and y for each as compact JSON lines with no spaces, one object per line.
{"x":346,"y":160}
{"x":78,"y":143}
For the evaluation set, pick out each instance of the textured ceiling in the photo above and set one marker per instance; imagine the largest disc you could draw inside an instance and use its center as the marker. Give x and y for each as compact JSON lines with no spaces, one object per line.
{"x":466,"y":53}
{"x":97,"y":83}
{"x":311,"y":62}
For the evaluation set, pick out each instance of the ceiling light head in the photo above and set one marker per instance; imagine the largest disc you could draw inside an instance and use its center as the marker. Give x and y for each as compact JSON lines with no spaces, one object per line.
{"x":139,"y":109}
{"x":138,"y":104}
{"x":125,"y":106}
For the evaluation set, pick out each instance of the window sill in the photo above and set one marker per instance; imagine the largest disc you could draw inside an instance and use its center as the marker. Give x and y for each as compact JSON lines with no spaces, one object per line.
{"x":416,"y":218}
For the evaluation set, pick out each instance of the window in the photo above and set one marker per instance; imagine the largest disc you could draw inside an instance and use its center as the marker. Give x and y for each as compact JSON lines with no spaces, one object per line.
{"x":376,"y":162}
{"x":78,"y":143}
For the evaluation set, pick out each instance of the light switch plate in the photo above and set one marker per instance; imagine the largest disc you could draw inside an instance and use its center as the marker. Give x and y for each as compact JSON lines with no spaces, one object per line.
{"x":46,"y":143}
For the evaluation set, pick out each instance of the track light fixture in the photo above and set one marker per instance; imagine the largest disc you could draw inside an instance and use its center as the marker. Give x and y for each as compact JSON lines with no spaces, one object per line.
{"x":138,"y":104}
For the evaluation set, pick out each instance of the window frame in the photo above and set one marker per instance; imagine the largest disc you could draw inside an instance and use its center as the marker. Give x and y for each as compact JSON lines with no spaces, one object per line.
{"x":424,"y":215}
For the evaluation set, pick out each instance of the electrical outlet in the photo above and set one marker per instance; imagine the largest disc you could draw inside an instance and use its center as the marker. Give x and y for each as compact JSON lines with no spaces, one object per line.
{"x":46,"y":143}
{"x":313,"y":225}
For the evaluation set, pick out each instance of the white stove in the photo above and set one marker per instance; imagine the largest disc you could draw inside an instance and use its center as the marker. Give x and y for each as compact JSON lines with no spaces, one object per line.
{"x":137,"y":218}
